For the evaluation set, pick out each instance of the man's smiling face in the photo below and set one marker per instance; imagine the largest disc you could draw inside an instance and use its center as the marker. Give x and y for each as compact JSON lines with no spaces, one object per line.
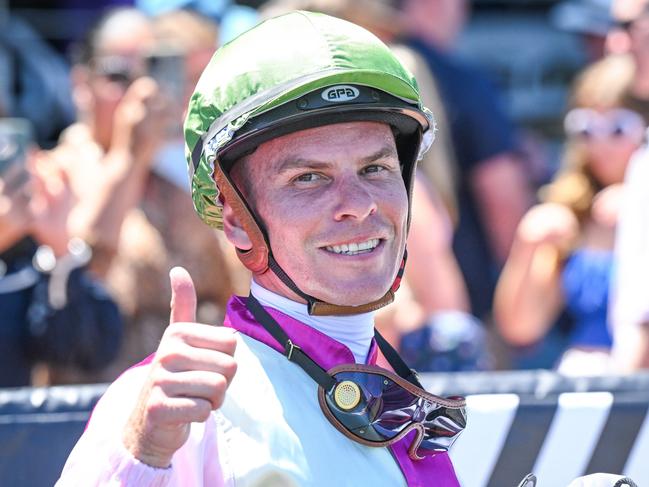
{"x":335,"y":207}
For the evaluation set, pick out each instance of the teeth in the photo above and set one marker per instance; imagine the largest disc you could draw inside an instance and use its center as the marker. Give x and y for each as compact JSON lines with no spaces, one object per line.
{"x":354,"y":248}
{"x":365,"y":245}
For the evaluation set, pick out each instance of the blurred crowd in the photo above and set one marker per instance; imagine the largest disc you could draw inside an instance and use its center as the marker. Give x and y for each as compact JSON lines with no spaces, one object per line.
{"x":505,"y":271}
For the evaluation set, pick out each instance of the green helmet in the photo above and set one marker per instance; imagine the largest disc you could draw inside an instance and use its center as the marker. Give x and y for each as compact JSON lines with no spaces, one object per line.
{"x":297,"y":71}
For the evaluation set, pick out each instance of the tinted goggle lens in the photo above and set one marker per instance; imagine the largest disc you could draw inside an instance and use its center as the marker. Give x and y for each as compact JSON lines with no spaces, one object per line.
{"x":380,"y":409}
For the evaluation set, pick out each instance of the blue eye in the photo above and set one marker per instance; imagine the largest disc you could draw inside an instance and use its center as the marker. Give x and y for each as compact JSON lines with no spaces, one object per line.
{"x":308,"y":177}
{"x":374,"y":168}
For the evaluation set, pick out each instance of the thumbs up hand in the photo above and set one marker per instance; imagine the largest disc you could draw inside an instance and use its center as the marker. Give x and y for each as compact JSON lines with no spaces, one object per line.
{"x":188,"y":377}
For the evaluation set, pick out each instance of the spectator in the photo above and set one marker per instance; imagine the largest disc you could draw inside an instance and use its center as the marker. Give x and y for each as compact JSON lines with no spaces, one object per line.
{"x":630,"y":313}
{"x":483,"y":146}
{"x":53,"y":311}
{"x":136,"y":214}
{"x":563,"y":251}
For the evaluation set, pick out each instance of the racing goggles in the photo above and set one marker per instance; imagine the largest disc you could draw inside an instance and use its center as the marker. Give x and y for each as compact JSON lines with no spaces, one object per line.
{"x":586,"y":123}
{"x":373,"y":406}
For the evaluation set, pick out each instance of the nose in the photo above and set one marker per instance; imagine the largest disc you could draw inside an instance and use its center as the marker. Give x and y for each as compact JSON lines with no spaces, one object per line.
{"x":354,"y":200}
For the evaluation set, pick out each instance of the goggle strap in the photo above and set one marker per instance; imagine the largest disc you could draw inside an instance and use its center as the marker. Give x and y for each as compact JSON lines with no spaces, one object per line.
{"x":395,"y":361}
{"x":292,"y":351}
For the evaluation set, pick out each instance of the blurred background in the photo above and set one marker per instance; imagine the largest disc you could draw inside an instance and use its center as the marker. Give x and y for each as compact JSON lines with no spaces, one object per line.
{"x":531,"y":48}
{"x":529,"y":242}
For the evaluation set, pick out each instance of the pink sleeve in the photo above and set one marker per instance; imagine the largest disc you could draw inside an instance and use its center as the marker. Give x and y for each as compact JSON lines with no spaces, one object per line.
{"x":118,"y":467}
{"x":100,"y":459}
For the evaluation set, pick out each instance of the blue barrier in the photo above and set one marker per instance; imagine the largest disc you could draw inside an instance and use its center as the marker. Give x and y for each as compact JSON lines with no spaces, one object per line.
{"x":38,"y":428}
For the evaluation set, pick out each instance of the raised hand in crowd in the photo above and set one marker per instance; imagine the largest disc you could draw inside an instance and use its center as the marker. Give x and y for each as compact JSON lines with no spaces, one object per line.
{"x":140,"y":121}
{"x":110,"y":184}
{"x":51,"y":203}
{"x":548,"y":223}
{"x":35,"y":200}
{"x":527,"y":297}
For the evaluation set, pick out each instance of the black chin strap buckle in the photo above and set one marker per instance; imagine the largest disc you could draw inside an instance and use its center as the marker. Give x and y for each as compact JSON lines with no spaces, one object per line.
{"x":289,"y":348}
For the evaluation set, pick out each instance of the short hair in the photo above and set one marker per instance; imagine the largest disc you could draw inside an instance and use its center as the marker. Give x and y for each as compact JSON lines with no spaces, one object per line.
{"x":186,"y":30}
{"x":113,"y":19}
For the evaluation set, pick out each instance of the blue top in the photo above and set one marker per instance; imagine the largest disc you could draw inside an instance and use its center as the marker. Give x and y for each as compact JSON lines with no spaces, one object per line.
{"x":585,"y":281}
{"x":479,"y":129}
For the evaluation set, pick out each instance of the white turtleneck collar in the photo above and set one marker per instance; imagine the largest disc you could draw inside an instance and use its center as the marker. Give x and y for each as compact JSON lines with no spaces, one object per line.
{"x":353,"y":331}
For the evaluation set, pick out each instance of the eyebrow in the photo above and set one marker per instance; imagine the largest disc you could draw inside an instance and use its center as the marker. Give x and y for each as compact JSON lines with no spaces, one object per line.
{"x":290,"y":163}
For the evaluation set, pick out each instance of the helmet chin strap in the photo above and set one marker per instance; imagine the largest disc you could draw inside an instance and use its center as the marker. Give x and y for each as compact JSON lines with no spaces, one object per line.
{"x":321,"y":308}
{"x":259,"y":258}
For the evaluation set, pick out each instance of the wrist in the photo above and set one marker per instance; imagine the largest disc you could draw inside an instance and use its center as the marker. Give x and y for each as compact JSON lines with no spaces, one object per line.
{"x":145,"y":453}
{"x":151,"y":459}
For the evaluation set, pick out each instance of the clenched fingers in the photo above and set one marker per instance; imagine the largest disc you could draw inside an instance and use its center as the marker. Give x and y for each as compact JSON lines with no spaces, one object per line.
{"x":210,"y":386}
{"x":165,"y":411}
{"x":185,"y":358}
{"x":210,"y":337}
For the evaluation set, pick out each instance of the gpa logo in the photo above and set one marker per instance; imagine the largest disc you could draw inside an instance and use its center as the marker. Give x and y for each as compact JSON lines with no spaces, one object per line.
{"x":340,"y":93}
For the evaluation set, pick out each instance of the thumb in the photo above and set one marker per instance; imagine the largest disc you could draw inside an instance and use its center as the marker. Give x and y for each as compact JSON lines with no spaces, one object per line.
{"x":183,"y":296}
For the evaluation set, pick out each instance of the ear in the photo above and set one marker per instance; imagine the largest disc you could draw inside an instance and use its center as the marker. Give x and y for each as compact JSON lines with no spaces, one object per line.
{"x":233,"y":229}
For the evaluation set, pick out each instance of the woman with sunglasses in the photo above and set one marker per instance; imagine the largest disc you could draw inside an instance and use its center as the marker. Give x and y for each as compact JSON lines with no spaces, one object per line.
{"x":561,"y":259}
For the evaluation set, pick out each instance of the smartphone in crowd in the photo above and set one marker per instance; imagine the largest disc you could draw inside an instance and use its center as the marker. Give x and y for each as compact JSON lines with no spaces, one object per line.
{"x":16,"y":136}
{"x":167,"y":67}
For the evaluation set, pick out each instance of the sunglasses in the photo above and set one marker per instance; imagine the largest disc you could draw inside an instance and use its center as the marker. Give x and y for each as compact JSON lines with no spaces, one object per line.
{"x":119,"y":69}
{"x":374,"y":406}
{"x":585,"y":123}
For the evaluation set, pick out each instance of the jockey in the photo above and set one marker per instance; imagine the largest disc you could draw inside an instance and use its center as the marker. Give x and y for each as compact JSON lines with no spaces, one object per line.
{"x":302,"y":138}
